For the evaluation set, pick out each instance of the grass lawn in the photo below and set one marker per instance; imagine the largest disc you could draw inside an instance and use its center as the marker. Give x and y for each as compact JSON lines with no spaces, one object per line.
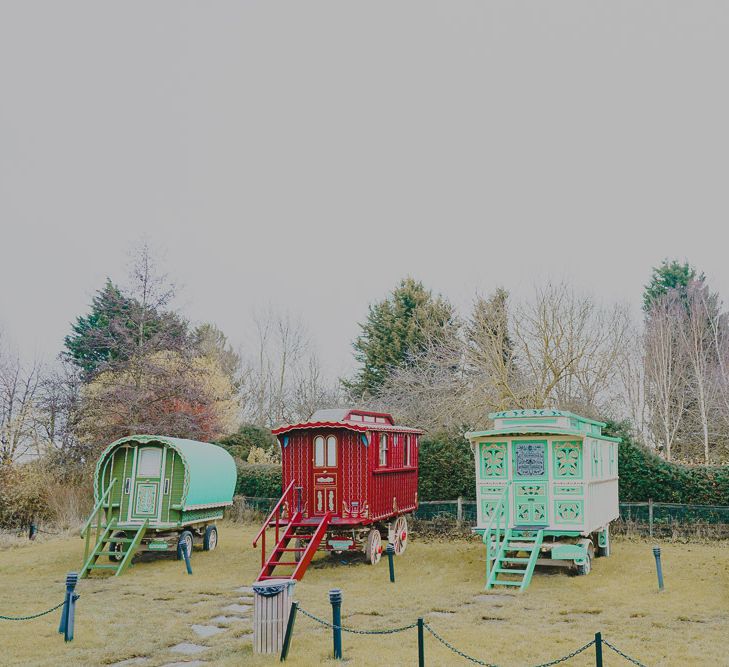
{"x":152,"y":606}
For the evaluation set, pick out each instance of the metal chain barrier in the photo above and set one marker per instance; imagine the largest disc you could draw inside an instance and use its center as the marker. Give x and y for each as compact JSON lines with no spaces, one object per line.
{"x":620,"y":653}
{"x":569,"y":656}
{"x":452,"y":648}
{"x":28,"y":618}
{"x":357,"y":632}
{"x":455,"y":650}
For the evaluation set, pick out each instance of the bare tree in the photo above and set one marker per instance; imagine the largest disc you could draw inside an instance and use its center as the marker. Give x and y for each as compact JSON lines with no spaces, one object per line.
{"x":666,"y":368}
{"x":19,"y":389}
{"x":282,"y":381}
{"x":698,"y":346}
{"x":568,"y":348}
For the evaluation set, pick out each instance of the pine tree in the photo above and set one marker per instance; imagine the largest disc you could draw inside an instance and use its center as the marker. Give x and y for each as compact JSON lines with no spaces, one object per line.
{"x":397,"y":329}
{"x":670,"y":275}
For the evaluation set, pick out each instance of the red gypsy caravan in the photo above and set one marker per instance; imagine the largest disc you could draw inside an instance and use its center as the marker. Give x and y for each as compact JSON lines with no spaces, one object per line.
{"x":350,"y":477}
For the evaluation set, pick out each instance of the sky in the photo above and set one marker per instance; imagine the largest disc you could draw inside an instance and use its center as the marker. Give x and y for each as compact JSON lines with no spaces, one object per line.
{"x":305,"y":156}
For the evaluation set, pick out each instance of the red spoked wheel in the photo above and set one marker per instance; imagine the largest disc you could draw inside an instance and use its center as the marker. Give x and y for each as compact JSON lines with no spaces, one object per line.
{"x":373,"y":548}
{"x":400,"y":535}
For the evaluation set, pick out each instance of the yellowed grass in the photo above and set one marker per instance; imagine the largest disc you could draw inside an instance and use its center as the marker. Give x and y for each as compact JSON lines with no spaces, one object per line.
{"x":151,"y":607}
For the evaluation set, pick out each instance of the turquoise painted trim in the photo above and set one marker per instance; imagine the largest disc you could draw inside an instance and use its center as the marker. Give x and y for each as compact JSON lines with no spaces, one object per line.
{"x":546,"y":430}
{"x":285,"y":441}
{"x":568,"y":552}
{"x":562,"y":533}
{"x":508,"y":414}
{"x":529,"y":422}
{"x":365,"y":441}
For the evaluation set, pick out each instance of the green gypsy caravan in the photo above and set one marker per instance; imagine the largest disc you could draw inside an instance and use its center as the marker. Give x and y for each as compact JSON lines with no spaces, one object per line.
{"x":154,"y":493}
{"x":546,"y":491}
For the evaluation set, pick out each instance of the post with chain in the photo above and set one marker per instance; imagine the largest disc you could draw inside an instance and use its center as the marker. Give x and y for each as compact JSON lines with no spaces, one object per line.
{"x":289,"y":631}
{"x":182,"y":547}
{"x":335,"y":597}
{"x":598,"y":649}
{"x":659,"y":568}
{"x":32,"y":530}
{"x":391,"y":561}
{"x":69,"y":607}
{"x":421,"y":644}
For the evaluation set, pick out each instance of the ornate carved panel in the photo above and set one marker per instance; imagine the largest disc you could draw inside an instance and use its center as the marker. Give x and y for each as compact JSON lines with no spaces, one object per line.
{"x":568,"y":511}
{"x":567,"y":459}
{"x":493,"y":459}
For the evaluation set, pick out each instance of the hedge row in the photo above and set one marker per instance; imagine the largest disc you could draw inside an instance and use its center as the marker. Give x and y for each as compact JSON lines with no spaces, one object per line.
{"x":447,"y":471}
{"x":258,"y":480}
{"x":645,"y":475}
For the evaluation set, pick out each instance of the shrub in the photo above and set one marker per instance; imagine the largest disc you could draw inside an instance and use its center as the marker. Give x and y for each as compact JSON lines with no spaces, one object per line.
{"x":23,"y":495}
{"x":446,"y":468}
{"x":259,"y":480}
{"x":247,"y":437}
{"x":645,"y":475}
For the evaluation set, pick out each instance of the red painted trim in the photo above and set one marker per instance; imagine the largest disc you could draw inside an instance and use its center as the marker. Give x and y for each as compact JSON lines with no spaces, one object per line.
{"x":352,"y":426}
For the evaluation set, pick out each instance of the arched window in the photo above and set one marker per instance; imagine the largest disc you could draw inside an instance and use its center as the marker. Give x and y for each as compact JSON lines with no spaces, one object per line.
{"x":319,"y":451}
{"x":325,"y":451}
{"x":331,"y":451}
{"x":383,"y":449}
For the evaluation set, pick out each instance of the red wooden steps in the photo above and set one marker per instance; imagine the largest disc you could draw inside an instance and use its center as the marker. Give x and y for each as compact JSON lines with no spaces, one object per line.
{"x":308,"y":532}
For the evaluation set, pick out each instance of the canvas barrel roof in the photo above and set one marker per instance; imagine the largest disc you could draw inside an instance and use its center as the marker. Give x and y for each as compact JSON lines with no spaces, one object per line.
{"x":210,"y":472}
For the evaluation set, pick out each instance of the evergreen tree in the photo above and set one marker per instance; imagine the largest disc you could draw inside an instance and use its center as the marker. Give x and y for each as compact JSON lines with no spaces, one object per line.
{"x":118,"y":328}
{"x":92,"y":343}
{"x":669,"y":275}
{"x":397,"y":329}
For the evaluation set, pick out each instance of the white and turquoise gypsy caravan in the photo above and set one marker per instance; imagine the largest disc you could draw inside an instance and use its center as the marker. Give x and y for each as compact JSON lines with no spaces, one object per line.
{"x":547,"y":490}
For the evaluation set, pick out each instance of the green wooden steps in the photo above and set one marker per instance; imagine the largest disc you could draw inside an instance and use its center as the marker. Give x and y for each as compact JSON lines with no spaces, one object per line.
{"x":106,"y":539}
{"x":515,"y":542}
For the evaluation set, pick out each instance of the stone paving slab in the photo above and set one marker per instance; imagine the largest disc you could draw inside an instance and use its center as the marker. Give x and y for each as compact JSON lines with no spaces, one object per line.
{"x":238,"y":608}
{"x":228,"y":619}
{"x":244,"y":589}
{"x":206,"y":630}
{"x":187,"y":648}
{"x":247,"y":599}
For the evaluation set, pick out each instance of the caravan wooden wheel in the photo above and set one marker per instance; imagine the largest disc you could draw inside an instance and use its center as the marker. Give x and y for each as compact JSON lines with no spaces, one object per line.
{"x":400,"y":536}
{"x":373,"y":549}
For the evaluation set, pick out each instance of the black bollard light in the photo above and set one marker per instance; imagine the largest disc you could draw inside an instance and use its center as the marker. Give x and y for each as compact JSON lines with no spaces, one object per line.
{"x":335,"y":597}
{"x":659,"y":568}
{"x":391,"y":561}
{"x":32,"y":531}
{"x":68,"y":610}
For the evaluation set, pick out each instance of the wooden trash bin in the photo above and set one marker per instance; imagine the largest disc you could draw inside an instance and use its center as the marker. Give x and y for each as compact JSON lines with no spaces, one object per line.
{"x":271,"y":606}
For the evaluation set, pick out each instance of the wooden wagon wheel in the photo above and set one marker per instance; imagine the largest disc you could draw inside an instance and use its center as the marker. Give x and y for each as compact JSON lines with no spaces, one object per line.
{"x":373,"y":548}
{"x":400,"y":540}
